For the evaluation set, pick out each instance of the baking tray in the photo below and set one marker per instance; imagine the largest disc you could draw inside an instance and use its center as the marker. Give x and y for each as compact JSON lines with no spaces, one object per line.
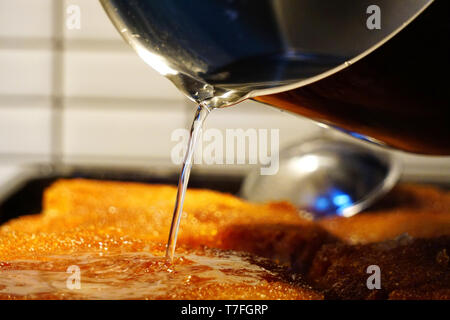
{"x":23,"y":194}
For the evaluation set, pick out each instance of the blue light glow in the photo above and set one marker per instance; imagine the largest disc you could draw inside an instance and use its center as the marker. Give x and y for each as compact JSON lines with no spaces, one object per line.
{"x":334,"y":201}
{"x":341,"y":200}
{"x":322,"y":204}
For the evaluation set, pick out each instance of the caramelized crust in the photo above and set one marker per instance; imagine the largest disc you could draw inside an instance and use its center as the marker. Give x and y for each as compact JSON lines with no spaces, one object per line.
{"x":419,"y":211}
{"x":409,"y":269}
{"x":400,"y":235}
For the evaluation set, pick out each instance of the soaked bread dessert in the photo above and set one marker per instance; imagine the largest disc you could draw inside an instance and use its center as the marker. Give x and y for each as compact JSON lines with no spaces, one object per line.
{"x":417,"y":210}
{"x":115,"y":233}
{"x":144,"y":212}
{"x":409,"y":269}
{"x":407,"y":235}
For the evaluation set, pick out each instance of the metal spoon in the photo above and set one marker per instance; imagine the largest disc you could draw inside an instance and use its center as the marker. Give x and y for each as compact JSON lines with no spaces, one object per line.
{"x":326,"y":177}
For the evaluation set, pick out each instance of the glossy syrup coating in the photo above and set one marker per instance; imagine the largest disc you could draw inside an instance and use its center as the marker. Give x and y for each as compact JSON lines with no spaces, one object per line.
{"x":195,"y":274}
{"x":115,"y":233}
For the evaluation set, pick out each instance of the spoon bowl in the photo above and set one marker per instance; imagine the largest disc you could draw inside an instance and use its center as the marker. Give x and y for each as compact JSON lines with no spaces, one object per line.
{"x":325,"y":177}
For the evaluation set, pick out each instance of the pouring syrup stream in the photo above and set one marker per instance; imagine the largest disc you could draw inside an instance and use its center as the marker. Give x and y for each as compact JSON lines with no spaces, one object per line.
{"x":195,"y":133}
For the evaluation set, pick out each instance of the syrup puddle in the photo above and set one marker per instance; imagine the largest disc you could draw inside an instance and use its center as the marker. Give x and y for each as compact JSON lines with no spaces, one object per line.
{"x":128,"y":275}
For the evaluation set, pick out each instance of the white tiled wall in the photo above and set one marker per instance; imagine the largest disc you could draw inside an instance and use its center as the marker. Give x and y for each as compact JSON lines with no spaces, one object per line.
{"x":128,"y":133}
{"x":114,"y":74}
{"x":26,"y":18}
{"x":25,"y":129}
{"x":25,"y":72}
{"x":95,"y":24}
{"x":104,"y":104}
{"x":25,"y":82}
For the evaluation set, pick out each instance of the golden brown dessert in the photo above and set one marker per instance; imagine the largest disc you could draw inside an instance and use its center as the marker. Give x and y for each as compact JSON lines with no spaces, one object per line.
{"x":418,"y":210}
{"x":101,"y":224}
{"x":116,"y":232}
{"x":400,"y":235}
{"x":409,"y":269}
{"x":144,"y":212}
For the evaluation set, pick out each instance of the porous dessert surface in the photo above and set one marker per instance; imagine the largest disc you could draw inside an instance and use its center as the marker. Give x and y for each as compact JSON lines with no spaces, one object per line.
{"x":116,"y":233}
